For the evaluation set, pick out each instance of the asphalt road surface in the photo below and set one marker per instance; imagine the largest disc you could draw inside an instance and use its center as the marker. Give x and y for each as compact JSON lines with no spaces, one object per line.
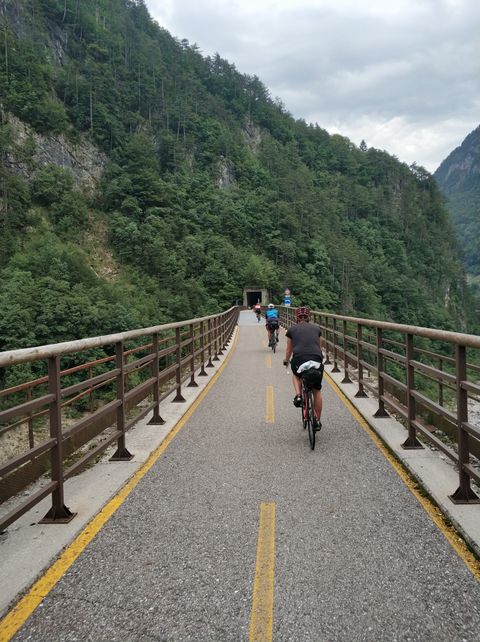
{"x":344,"y":551}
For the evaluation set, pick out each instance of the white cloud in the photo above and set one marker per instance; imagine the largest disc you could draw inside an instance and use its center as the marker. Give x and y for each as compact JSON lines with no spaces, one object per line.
{"x":403,"y":74}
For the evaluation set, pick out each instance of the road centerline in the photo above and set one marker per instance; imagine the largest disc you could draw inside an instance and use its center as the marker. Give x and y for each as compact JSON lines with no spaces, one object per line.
{"x":270,"y":406}
{"x":261,"y":623}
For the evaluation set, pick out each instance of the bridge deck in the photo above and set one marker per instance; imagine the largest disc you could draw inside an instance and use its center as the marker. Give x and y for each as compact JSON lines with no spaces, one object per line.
{"x":356,"y":556}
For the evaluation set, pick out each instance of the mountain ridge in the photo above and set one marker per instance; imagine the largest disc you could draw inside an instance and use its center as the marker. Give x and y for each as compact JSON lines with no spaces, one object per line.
{"x":209,"y":184}
{"x":459,"y":179}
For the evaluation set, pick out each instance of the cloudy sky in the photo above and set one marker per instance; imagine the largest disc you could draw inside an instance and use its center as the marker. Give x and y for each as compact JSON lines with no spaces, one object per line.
{"x":404,"y":75}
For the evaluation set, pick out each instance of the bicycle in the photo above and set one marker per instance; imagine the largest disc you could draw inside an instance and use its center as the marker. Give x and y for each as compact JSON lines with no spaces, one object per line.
{"x":309,"y":420}
{"x":273,"y":340}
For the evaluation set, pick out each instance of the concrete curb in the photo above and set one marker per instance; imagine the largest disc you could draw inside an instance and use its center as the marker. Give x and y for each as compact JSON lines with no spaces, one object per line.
{"x":434,"y":472}
{"x":27,"y":548}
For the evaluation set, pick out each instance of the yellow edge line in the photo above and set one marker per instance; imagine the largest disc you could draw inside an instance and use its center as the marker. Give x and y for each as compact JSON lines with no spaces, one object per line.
{"x":435,"y":514}
{"x":16,"y":617}
{"x":261,"y":623}
{"x":269,"y":406}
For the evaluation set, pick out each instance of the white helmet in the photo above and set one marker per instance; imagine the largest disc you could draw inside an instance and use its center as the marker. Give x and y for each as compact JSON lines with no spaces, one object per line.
{"x":270,"y":305}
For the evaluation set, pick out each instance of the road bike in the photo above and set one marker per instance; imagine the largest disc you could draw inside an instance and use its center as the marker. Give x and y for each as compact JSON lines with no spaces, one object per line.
{"x":310,"y":422}
{"x":273,"y":340}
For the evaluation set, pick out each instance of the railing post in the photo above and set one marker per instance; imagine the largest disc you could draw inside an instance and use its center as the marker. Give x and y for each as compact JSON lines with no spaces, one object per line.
{"x":209,"y":336}
{"x":220,"y":334}
{"x":31,"y":440}
{"x":122,"y":453}
{"x":464,"y":494}
{"x":411,"y":443}
{"x":203,"y":372}
{"x":193,"y":383}
{"x":440,"y":384}
{"x":327,"y":347}
{"x":215,"y":338}
{"x":381,"y":412}
{"x":58,"y":513}
{"x":156,"y":420}
{"x":346,"y":378}
{"x":178,"y":372}
{"x":335,"y":351}
{"x":90,"y":396}
{"x":361,"y":391}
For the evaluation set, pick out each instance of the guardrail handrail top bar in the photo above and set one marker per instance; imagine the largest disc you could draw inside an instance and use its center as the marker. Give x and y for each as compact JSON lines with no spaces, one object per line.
{"x":25,"y":355}
{"x":467,"y":340}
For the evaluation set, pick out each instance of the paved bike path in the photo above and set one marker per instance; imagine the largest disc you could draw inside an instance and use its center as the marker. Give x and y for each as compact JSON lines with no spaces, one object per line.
{"x":356,"y":557}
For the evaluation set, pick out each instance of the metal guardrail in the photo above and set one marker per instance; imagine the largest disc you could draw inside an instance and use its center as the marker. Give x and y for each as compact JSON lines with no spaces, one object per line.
{"x":404,"y":372}
{"x":173,"y":354}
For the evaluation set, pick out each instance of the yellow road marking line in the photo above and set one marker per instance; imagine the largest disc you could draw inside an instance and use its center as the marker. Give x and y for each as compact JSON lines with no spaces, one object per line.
{"x":26,"y":605}
{"x":261,"y":622}
{"x":269,"y":406}
{"x":435,"y":514}
{"x":268,"y":361}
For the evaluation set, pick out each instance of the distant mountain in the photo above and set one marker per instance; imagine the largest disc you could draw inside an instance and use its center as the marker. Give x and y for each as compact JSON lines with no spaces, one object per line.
{"x":459,"y":179}
{"x":141,"y":182}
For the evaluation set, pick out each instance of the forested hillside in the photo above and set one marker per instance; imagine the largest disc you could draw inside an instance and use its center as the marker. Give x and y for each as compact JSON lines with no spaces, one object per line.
{"x":459,"y":179}
{"x":200,"y":183}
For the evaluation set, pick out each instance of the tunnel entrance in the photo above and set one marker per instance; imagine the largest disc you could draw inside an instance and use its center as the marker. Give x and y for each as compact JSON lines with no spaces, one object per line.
{"x":253,"y":295}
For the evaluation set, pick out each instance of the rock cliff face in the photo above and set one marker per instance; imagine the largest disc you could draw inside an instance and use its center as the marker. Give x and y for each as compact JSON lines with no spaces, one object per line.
{"x":461,"y":169}
{"x":83,"y":159}
{"x":459,"y":179}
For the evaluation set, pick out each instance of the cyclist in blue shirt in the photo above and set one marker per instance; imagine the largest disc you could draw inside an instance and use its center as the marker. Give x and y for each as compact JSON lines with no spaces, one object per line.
{"x":271,"y":322}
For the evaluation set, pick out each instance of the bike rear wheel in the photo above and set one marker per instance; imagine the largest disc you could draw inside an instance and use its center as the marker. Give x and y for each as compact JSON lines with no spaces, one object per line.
{"x":304,"y":409}
{"x":311,"y":419}
{"x":274,"y":343}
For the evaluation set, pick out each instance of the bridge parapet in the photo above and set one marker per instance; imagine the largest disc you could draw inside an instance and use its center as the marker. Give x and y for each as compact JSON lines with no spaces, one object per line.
{"x":426,"y":377}
{"x":141,"y":368}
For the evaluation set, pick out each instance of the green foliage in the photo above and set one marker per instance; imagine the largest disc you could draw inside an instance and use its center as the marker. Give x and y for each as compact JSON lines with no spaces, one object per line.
{"x":51,"y":183}
{"x":210,"y":185}
{"x":69,"y":213}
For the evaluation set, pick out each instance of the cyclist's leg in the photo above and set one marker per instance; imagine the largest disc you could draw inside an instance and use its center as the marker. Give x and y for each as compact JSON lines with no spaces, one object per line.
{"x":317,"y":403}
{"x":297,"y":384}
{"x":297,"y":381}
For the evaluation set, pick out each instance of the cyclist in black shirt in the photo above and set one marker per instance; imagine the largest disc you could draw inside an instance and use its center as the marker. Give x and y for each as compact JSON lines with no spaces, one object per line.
{"x":303,"y":341}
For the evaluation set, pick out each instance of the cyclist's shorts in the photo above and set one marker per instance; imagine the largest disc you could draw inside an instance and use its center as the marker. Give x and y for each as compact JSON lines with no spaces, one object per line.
{"x":272,"y":324}
{"x":312,"y":377}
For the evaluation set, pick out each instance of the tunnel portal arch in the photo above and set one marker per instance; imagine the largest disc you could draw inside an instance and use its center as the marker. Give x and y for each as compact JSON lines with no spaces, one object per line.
{"x":253,"y":295}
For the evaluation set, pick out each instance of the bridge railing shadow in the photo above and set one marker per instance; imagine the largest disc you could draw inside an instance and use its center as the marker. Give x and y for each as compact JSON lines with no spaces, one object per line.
{"x":70,"y":416}
{"x":427,"y":378}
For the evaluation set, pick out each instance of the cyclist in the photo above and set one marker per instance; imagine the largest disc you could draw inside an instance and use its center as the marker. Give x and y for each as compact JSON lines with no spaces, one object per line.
{"x":271,"y":322}
{"x":257,"y":308}
{"x":303,"y":341}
